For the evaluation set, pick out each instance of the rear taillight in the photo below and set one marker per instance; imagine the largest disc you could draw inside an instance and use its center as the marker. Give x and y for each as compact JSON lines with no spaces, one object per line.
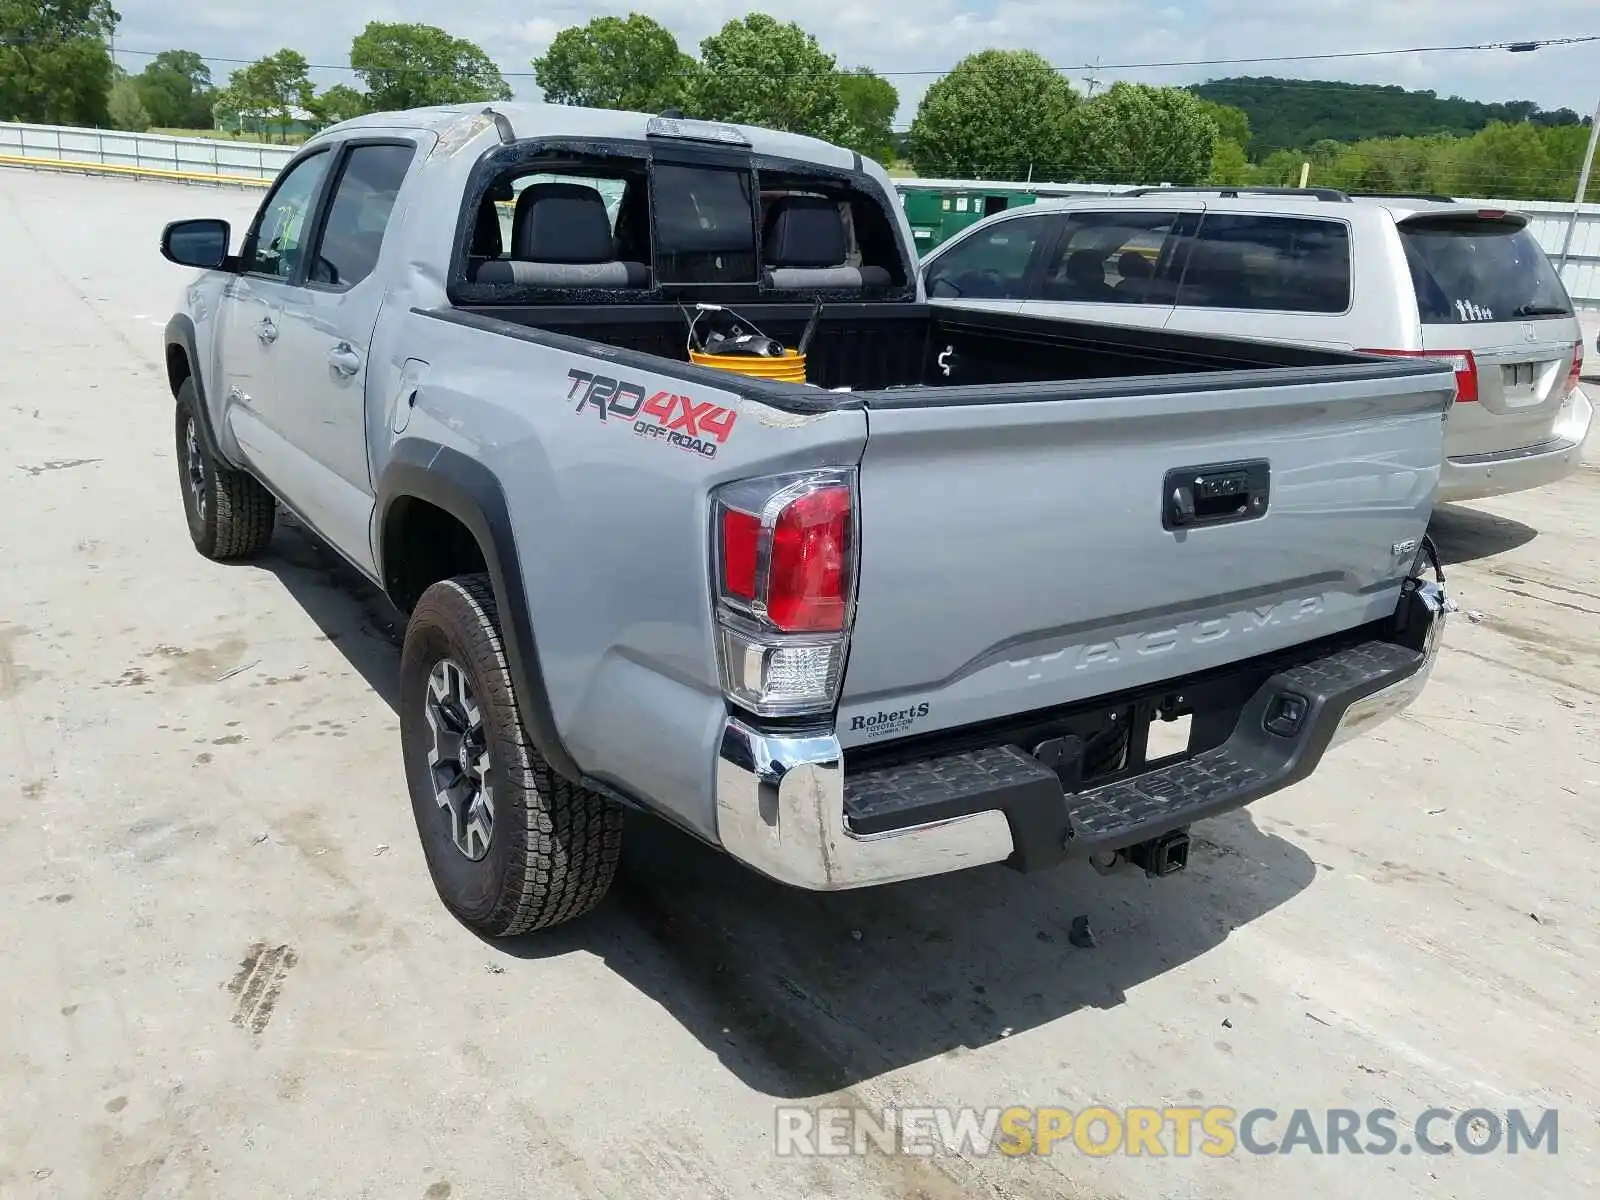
{"x":1574,"y":375}
{"x":785,"y":572}
{"x":1466,"y":367}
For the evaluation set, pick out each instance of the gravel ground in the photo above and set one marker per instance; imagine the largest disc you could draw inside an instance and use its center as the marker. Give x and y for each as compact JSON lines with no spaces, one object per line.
{"x":227,"y":973}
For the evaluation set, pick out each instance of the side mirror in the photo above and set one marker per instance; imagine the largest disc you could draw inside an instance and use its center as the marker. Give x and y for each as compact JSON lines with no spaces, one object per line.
{"x":200,"y":243}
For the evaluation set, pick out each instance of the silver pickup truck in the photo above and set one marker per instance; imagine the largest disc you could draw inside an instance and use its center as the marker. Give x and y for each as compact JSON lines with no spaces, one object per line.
{"x":951,"y":588}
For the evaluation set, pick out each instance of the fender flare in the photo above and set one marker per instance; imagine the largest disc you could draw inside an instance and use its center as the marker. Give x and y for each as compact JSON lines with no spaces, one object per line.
{"x":466,"y":489}
{"x":180,"y":333}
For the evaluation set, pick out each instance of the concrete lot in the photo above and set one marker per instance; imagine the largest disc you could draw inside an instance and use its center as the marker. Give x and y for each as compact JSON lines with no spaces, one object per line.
{"x":226,"y":973}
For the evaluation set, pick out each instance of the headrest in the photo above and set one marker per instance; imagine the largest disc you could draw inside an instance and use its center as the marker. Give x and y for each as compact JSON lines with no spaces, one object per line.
{"x":1133,"y":265}
{"x":1086,"y":266}
{"x":561,"y":223}
{"x":804,"y":231}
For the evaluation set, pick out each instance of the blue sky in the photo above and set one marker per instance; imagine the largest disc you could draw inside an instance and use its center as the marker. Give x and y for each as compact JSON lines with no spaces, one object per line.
{"x":927,"y":35}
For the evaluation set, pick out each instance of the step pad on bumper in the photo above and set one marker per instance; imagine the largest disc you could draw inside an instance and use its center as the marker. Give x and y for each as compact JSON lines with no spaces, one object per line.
{"x":938,"y":789}
{"x":1047,"y":822}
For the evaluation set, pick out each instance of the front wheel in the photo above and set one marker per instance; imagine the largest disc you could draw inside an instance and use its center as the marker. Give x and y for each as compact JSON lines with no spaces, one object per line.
{"x":511,"y":846}
{"x":230,"y":514}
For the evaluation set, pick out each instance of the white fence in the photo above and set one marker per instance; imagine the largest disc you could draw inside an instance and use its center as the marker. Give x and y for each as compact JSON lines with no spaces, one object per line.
{"x":144,"y":153}
{"x":200,"y":159}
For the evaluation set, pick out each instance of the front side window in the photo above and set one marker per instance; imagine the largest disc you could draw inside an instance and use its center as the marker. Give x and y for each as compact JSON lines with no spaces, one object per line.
{"x":281,"y":227}
{"x":991,"y":264}
{"x":359,"y":214}
{"x":1106,"y":257}
{"x":1280,"y":264}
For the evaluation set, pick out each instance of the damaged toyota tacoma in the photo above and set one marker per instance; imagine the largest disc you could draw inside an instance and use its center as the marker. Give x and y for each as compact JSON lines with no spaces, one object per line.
{"x":695,"y":506}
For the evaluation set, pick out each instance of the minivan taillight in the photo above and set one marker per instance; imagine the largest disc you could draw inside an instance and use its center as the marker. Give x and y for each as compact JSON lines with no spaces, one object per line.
{"x":1466,"y":367}
{"x":785,"y":572}
{"x":1574,"y":375}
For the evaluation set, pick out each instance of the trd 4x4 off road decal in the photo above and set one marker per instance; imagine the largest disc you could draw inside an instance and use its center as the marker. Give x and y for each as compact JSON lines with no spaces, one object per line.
{"x":696,"y":426}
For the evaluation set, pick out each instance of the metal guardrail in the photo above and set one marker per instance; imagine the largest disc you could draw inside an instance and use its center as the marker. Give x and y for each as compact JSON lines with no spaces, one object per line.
{"x":199,"y":160}
{"x":206,"y":160}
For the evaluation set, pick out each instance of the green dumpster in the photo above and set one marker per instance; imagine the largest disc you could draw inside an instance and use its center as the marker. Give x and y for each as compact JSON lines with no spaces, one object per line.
{"x":938,"y":212}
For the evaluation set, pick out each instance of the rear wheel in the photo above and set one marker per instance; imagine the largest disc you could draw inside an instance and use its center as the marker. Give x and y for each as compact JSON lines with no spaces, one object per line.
{"x":511,"y":846}
{"x":230,"y":514}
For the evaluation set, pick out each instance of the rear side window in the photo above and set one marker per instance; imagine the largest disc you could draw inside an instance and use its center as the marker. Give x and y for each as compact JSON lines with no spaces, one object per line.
{"x":1277,"y":264}
{"x":991,"y":264}
{"x":1106,"y":257}
{"x":359,"y":214}
{"x":705,"y":225}
{"x":1468,"y":269}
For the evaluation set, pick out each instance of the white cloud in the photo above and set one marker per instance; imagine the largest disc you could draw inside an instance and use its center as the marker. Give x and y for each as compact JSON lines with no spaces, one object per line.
{"x":922,"y":36}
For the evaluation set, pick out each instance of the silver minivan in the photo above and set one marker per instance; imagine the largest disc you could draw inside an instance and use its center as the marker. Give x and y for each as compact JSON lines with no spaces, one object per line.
{"x":1387,"y":275}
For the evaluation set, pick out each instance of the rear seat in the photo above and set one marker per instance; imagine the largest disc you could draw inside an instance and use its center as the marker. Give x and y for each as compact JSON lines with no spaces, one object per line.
{"x":561,"y":238}
{"x":804,"y":246}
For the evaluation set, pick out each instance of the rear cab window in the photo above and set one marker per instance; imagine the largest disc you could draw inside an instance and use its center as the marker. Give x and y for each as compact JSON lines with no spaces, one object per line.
{"x":678,"y":222}
{"x":705,"y":224}
{"x":1468,"y":268}
{"x":1272,"y":263}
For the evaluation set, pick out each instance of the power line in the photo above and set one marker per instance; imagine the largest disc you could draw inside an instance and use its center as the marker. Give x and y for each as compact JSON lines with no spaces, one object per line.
{"x":1520,"y":46}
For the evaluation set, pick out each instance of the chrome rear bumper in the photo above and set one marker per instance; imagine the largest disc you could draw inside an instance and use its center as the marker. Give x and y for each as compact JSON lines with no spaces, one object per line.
{"x":780,"y":809}
{"x":781,"y":796}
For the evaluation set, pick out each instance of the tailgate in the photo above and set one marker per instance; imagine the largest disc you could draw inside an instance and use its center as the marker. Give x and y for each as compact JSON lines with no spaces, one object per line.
{"x":1026,"y":554}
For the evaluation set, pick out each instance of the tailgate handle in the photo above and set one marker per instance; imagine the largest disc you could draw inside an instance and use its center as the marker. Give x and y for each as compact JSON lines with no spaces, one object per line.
{"x":1215,"y":494}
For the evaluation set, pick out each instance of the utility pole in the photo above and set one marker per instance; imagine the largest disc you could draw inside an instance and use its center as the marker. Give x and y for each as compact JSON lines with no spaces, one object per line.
{"x":1583,"y":187}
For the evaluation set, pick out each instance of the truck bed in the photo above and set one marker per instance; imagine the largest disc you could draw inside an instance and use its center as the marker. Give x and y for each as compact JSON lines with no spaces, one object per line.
{"x":1074,"y":515}
{"x":879,"y":347}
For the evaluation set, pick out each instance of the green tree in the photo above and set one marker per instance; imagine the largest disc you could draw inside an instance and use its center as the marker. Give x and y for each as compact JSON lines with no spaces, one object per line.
{"x":756,"y":71}
{"x":629,"y":63}
{"x":264,"y":94}
{"x":1136,"y":133}
{"x":871,"y":102}
{"x":1504,"y":161}
{"x":999,"y":114}
{"x":175,"y":89}
{"x":1285,"y":113}
{"x":416,"y":66}
{"x":338,"y":103}
{"x":125,"y":108}
{"x":1564,"y":147}
{"x":1229,"y":163}
{"x":54,"y":65}
{"x":1281,"y":168}
{"x":1233,"y":124}
{"x":1324,"y":152}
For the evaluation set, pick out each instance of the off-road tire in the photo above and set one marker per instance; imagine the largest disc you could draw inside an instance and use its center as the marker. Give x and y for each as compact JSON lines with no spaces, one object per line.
{"x":232,"y":515}
{"x":554,"y":846}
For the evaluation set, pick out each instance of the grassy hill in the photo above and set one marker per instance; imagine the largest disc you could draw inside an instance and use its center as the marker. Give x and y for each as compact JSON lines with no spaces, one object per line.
{"x":1297,"y":113}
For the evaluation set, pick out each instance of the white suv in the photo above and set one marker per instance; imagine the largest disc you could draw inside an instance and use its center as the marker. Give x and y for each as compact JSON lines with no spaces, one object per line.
{"x":1388,"y":275}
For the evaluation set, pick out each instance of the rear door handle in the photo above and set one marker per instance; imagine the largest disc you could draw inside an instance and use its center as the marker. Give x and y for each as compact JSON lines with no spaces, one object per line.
{"x":344,"y":359}
{"x":267,"y":331}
